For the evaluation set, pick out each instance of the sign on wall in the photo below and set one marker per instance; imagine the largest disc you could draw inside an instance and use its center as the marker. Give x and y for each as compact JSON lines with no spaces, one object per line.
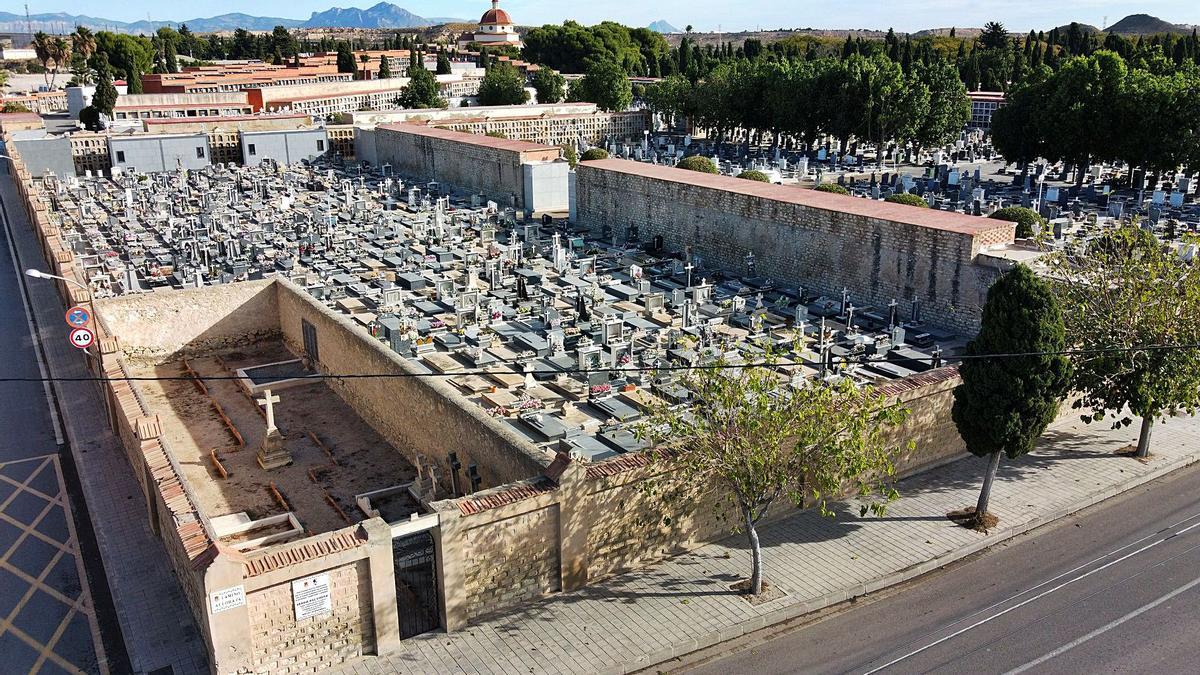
{"x":311,"y":596}
{"x":227,"y":598}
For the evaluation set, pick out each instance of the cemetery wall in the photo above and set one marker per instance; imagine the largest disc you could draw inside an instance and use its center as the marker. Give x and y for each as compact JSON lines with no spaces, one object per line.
{"x":414,"y":414}
{"x":929,"y":397}
{"x":192,"y":321}
{"x":512,"y":559}
{"x":465,"y":162}
{"x":284,"y":645}
{"x":825,"y":242}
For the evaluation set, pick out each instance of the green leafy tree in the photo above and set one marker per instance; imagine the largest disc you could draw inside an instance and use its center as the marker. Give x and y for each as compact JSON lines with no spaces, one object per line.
{"x":105,"y":97}
{"x":673,"y":99}
{"x":571,"y":155}
{"x":755,"y":176}
{"x":907,"y":199}
{"x":502,"y":85}
{"x":1005,"y":403}
{"x":762,"y":441}
{"x":551,"y":87}
{"x":594,"y":153}
{"x":345,"y":59}
{"x":422,"y":91}
{"x":385,"y":68}
{"x":1027,"y":220}
{"x":832,"y":187}
{"x":443,"y":64}
{"x":698,"y":164}
{"x":1126,"y":300}
{"x":949,"y":108}
{"x":606,"y":85}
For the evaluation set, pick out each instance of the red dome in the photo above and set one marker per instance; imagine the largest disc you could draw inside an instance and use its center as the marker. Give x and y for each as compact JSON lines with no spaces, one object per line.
{"x":496,"y":16}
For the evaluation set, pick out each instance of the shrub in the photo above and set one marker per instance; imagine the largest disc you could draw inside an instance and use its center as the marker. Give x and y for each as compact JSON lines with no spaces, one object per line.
{"x":907,"y":199}
{"x":755,"y":175}
{"x":594,"y":153}
{"x":1025,"y":219}
{"x":832,"y":187}
{"x":570,"y":154}
{"x":698,"y":163}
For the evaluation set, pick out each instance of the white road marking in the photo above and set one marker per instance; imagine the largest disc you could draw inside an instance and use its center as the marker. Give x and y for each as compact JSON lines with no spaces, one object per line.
{"x":1105,"y":628}
{"x":1048,"y":591}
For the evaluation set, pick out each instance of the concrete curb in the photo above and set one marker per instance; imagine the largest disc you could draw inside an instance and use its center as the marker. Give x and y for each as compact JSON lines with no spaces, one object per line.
{"x":802,"y":607}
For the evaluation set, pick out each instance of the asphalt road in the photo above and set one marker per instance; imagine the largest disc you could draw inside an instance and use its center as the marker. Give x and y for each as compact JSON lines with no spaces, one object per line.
{"x":1113,"y":589}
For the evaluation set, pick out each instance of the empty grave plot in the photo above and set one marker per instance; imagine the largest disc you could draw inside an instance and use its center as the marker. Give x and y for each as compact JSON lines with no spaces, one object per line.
{"x":214,"y":427}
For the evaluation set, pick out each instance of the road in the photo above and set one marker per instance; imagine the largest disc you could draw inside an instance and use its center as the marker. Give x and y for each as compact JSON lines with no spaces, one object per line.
{"x":1113,"y":589}
{"x":52,"y":594}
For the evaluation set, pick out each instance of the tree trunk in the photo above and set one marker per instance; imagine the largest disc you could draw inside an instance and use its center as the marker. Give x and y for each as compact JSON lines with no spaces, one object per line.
{"x":1143,"y":447}
{"x":756,"y":576}
{"x":985,"y":494}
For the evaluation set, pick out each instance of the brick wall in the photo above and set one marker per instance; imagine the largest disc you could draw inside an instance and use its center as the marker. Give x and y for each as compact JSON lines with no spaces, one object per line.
{"x":823,"y":242}
{"x":511,"y":560}
{"x":283,"y":645}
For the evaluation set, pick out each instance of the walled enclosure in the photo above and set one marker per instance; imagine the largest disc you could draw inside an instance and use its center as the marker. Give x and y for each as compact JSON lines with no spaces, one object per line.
{"x":825,"y":242}
{"x":464,"y":161}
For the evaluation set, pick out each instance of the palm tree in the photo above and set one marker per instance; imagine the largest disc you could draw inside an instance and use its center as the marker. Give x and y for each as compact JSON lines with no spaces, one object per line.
{"x":83,"y":43}
{"x":60,"y":52}
{"x":42,"y":46}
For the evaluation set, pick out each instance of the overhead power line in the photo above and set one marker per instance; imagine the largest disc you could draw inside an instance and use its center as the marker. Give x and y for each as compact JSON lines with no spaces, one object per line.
{"x":627,"y":368}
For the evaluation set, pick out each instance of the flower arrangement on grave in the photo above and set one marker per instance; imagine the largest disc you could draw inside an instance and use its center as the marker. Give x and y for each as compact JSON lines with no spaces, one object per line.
{"x":624,"y":360}
{"x":437,"y":323}
{"x":600,"y":389}
{"x":530,"y":403}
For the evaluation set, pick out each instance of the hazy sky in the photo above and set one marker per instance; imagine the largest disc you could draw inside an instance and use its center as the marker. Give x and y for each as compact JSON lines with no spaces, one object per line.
{"x":704,"y":15}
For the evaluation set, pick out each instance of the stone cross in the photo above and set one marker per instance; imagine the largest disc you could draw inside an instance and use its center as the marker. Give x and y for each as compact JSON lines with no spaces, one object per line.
{"x":268,"y":400}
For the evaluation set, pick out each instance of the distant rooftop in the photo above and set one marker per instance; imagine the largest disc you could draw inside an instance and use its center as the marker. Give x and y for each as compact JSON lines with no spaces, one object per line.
{"x":472,"y":139}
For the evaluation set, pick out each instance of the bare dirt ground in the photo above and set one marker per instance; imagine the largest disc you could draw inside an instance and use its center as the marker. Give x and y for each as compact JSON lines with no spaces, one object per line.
{"x":361,"y":459}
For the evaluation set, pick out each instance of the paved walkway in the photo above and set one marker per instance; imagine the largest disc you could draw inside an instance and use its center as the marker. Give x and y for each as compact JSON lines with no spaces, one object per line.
{"x":157,"y":626}
{"x":649,"y":616}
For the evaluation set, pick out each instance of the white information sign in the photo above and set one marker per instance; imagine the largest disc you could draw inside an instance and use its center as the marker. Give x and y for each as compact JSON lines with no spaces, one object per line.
{"x":311,"y":596}
{"x":227,"y":598}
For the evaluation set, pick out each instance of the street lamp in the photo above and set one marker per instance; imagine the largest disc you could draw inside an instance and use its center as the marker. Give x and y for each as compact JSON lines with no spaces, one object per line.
{"x":38,"y":274}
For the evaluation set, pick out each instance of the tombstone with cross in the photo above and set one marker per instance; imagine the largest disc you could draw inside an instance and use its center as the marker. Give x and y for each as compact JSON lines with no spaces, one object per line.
{"x":272,"y":454}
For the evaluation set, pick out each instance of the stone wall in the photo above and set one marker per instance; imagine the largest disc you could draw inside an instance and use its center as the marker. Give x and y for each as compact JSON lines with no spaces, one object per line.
{"x":421,"y":413}
{"x":465,"y":162}
{"x":825,"y":242}
{"x":191,"y":321}
{"x":929,"y":396}
{"x":511,"y":559}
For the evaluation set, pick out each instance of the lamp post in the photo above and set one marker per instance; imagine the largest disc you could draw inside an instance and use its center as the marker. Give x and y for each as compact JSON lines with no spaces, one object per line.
{"x":38,"y":274}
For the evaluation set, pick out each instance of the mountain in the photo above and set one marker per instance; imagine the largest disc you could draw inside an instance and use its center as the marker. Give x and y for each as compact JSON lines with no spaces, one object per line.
{"x":1144,"y":24}
{"x":383,"y":15}
{"x":661,"y":26}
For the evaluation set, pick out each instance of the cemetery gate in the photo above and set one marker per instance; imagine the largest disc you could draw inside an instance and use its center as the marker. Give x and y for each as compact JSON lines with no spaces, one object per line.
{"x":415,"y":564}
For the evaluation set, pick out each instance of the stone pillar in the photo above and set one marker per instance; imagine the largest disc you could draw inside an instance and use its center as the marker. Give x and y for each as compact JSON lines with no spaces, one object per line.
{"x":572,"y":528}
{"x":448,"y":542}
{"x":230,"y":647}
{"x":383,"y":585}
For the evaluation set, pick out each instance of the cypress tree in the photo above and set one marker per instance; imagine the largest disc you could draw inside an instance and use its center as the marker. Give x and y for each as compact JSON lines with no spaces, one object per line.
{"x":1005,"y":403}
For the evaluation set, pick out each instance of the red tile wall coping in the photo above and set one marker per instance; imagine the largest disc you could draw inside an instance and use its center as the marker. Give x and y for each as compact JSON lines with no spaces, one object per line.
{"x":472,"y":139}
{"x":918,"y":380}
{"x":303,"y":551}
{"x":505,"y":495}
{"x":826,"y":201}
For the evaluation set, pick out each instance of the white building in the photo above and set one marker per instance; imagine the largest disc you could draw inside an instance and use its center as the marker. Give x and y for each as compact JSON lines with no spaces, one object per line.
{"x":496,"y":27}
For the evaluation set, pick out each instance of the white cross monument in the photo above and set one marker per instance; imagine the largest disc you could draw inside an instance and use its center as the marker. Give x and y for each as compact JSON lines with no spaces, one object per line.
{"x":273,"y":453}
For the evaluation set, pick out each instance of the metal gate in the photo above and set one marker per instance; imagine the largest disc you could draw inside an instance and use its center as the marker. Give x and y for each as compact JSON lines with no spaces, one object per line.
{"x":416,"y":584}
{"x":309,"y":334}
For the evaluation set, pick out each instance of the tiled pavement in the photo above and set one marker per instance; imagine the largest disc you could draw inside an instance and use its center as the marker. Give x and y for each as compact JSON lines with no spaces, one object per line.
{"x":47,"y":622}
{"x":648,"y":616}
{"x":156,"y":625}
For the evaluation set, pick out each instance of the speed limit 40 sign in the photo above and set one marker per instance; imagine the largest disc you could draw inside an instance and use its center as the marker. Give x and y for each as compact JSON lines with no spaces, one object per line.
{"x":82,"y":338}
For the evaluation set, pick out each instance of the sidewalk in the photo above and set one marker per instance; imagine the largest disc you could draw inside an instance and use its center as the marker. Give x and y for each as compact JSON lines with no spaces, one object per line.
{"x":155,"y":622}
{"x":648,"y":616}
